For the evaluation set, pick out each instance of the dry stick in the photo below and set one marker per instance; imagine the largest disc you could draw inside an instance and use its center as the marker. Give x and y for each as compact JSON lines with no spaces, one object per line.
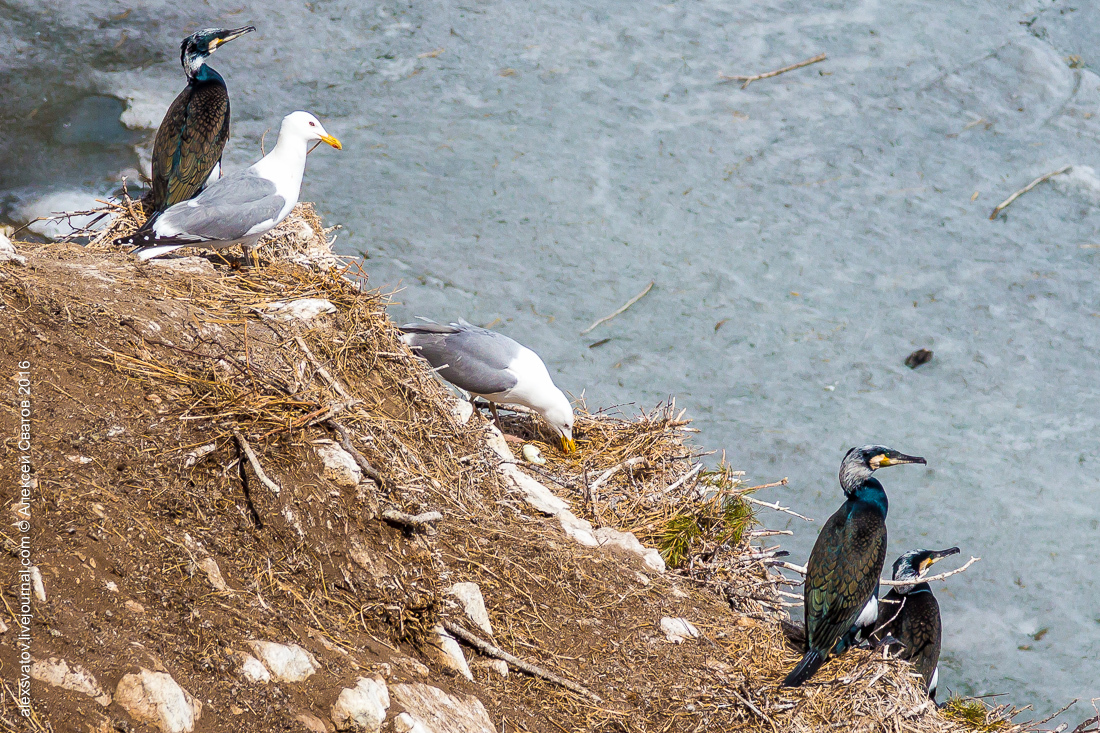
{"x":752,"y":707}
{"x":776,"y":507}
{"x":412,"y":521}
{"x":321,"y":370}
{"x":255,"y":463}
{"x":801,"y":570}
{"x":930,"y":578}
{"x":531,"y":669}
{"x":767,"y":75}
{"x":628,"y":463}
{"x":1045,"y":177}
{"x":686,"y":477}
{"x":345,"y":442}
{"x":628,"y":303}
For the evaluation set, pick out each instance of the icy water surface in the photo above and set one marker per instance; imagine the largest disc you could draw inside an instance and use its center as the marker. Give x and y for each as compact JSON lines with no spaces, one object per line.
{"x":540,"y":162}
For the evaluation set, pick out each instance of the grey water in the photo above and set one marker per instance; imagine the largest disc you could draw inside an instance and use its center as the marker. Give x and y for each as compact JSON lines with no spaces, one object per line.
{"x":534,"y":165}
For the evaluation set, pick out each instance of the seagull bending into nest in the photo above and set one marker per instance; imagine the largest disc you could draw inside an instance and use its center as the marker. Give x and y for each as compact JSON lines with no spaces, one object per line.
{"x":242,"y":207}
{"x":491,"y":365}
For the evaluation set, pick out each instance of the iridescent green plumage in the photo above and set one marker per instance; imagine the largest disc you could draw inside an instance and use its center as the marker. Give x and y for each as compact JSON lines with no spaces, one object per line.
{"x":194,"y":131}
{"x":844,"y":566}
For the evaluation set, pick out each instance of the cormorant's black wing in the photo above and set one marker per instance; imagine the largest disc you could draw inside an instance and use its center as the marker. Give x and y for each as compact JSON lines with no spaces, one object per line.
{"x":189,"y":142}
{"x":917,"y":625}
{"x":842,"y":573}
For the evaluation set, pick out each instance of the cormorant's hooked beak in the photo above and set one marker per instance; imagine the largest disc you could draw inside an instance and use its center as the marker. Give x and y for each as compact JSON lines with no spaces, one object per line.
{"x":332,"y":141}
{"x":225,"y":36}
{"x":893,"y":458}
{"x":568,"y":445}
{"x":935,"y":556}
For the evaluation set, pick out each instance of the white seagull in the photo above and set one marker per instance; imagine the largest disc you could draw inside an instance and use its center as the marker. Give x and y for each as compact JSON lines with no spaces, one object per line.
{"x":242,"y":207}
{"x":491,"y":365}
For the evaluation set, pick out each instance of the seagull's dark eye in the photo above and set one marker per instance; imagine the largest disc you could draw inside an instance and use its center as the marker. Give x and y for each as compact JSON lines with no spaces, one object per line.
{"x":313,"y":124}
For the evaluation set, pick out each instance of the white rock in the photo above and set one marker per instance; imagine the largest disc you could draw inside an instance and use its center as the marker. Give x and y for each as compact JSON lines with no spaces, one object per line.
{"x":111,"y":586}
{"x":363,"y":707}
{"x":608,"y":537}
{"x":469,"y":595}
{"x":57,"y":672}
{"x":36,"y":583}
{"x":340,"y":466}
{"x":3,"y":627}
{"x":437,"y":712}
{"x":463,"y":410}
{"x":451,"y":653}
{"x":286,"y":662}
{"x":678,"y":630}
{"x":253,"y":669}
{"x":577,"y":529}
{"x":405,"y":723}
{"x":8,"y":253}
{"x":213,"y":573}
{"x":154,"y":697}
{"x":304,"y":309}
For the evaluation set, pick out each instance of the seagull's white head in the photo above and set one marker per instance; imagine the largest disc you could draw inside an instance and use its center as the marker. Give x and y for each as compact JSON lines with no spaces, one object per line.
{"x":305,"y":126}
{"x":559,"y":413}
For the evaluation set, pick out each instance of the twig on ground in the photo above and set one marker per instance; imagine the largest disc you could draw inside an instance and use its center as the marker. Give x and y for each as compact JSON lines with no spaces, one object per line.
{"x":606,"y":475}
{"x":531,"y":669}
{"x":628,"y":303}
{"x":930,"y":578}
{"x":255,"y":463}
{"x":411,"y":521}
{"x":332,"y":381}
{"x":769,"y":74}
{"x":694,"y":471}
{"x":344,"y":439}
{"x":752,"y":707}
{"x":1045,"y":177}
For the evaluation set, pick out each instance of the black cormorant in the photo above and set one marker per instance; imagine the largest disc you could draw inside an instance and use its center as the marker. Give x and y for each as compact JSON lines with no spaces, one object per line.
{"x":193,"y":132}
{"x":911,"y":615}
{"x":844,"y":566}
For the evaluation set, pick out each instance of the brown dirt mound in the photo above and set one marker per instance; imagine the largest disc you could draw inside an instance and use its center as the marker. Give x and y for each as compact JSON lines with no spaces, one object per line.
{"x":147,"y":382}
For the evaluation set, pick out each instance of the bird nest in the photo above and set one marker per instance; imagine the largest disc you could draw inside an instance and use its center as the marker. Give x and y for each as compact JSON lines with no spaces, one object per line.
{"x":300,"y":239}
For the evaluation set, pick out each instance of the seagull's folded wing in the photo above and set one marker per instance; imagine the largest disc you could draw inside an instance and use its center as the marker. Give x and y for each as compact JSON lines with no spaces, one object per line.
{"x":234,"y":207}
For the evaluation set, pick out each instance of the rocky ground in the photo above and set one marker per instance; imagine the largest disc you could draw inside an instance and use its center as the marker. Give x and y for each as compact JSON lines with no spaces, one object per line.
{"x":231,"y":528}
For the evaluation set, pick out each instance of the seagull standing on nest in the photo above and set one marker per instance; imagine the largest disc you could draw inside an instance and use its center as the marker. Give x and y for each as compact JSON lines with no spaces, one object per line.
{"x":188,"y":147}
{"x":242,"y":207}
{"x":491,"y":365}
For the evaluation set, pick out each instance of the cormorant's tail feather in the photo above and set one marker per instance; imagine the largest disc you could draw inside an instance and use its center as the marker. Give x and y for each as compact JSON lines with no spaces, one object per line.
{"x":806,"y":669}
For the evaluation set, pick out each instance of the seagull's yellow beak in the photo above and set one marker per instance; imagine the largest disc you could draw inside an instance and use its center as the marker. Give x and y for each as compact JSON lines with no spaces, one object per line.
{"x":332,"y":141}
{"x":568,"y":445}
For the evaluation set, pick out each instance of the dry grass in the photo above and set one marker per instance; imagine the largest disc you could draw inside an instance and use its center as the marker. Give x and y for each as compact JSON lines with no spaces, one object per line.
{"x":227,"y":365}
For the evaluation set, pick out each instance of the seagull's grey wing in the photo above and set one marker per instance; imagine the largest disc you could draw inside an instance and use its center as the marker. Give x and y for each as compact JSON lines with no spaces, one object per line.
{"x":229,"y":209}
{"x":473,"y":359}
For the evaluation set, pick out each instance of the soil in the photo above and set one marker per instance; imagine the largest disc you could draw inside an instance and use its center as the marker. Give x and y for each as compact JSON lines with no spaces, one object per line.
{"x":134,"y":368}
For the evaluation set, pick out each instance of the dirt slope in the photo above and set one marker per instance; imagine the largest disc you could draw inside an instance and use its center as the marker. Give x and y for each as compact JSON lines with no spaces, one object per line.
{"x":160,"y":547}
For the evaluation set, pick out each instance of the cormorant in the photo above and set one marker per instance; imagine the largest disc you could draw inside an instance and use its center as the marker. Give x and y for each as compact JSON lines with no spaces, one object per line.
{"x":911,"y":614}
{"x":491,"y":365}
{"x":241,"y":207}
{"x":189,"y":141}
{"x":844,"y":566}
